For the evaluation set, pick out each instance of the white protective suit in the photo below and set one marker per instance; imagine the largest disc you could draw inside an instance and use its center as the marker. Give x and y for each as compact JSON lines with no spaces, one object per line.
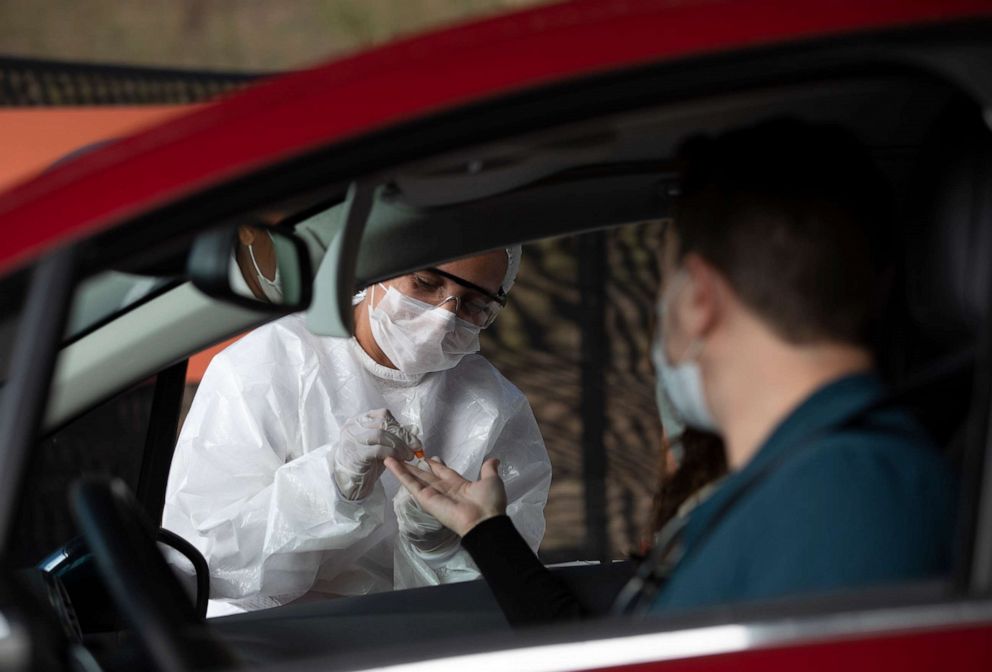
{"x":251,"y":484}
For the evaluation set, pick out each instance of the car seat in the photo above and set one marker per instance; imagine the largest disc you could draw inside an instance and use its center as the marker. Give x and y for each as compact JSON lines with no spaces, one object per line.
{"x":937,"y":332}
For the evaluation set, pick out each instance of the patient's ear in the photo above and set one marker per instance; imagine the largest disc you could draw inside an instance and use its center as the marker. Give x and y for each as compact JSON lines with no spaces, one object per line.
{"x":701,"y":301}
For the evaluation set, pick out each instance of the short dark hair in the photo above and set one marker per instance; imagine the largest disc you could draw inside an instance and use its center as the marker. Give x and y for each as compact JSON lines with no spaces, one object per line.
{"x":792,"y":214}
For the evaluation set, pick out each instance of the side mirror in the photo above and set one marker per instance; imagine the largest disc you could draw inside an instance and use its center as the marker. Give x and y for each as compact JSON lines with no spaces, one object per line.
{"x":257,"y":267}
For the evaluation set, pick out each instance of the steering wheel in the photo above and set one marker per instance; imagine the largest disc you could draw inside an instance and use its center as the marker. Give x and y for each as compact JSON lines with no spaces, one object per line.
{"x":140,"y":582}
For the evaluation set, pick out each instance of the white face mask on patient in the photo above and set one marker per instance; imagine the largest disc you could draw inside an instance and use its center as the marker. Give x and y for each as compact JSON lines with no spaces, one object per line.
{"x":418,"y":337}
{"x":683,"y":381}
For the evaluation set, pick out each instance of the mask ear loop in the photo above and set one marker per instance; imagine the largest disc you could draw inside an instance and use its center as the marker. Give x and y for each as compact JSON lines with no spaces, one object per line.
{"x":371,"y":293}
{"x":258,"y":270}
{"x":692,"y":352}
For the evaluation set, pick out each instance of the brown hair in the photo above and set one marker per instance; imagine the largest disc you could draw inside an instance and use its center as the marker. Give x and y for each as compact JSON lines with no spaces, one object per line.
{"x":792,"y":214}
{"x":703,"y":461}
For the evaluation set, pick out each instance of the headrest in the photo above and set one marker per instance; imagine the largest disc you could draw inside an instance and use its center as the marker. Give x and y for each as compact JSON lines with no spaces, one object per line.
{"x":948,"y":230}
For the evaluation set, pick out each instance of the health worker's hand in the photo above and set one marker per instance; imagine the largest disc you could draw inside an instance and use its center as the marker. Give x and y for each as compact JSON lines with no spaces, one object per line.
{"x":459,"y":504}
{"x":366,"y":440}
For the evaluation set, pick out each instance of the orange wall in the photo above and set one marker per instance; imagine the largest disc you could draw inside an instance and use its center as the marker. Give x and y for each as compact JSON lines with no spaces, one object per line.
{"x":198,"y":363}
{"x":33,"y":138}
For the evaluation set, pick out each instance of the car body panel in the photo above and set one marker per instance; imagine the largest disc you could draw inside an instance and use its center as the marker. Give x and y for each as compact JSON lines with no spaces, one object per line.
{"x":926,"y":637}
{"x":967,"y":648}
{"x":410,"y":79}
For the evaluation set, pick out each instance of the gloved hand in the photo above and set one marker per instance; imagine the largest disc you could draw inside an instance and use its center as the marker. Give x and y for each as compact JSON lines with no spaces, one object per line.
{"x":366,"y":440}
{"x":421,"y":529}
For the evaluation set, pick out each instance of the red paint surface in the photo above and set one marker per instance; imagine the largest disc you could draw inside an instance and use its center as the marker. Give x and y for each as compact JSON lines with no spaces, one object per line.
{"x":412,"y":78}
{"x":938,"y":650}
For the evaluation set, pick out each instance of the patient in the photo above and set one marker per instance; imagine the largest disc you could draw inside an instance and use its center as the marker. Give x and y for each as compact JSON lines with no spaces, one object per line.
{"x":764,"y":307}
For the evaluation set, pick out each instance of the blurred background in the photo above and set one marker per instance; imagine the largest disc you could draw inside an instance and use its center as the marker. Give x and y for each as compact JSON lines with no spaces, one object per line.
{"x":238,"y":35}
{"x":73,"y":72}
{"x":70,"y":60}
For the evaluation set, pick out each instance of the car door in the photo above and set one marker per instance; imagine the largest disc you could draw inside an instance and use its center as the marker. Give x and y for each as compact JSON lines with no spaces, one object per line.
{"x":238,"y":195}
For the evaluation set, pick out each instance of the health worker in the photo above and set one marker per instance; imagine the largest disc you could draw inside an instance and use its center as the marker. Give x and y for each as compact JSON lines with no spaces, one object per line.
{"x":278,"y":475}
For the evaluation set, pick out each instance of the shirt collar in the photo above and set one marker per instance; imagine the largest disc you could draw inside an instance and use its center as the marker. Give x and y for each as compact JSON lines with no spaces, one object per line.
{"x":831,"y":404}
{"x":392,"y":377}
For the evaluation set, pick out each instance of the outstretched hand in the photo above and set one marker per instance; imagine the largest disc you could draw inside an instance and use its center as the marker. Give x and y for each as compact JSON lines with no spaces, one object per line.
{"x":459,"y":504}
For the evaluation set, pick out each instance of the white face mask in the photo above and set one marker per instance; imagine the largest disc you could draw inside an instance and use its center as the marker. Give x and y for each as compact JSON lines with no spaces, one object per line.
{"x":271,"y":288}
{"x":418,"y":337}
{"x":683,"y":382}
{"x":671,"y":421}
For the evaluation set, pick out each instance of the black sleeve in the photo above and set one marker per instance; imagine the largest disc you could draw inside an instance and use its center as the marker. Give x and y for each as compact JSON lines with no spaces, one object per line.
{"x":526,"y":591}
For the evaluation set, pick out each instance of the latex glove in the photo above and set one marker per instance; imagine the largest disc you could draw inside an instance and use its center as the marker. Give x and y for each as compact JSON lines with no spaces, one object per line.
{"x":365,"y":441}
{"x":421,"y":529}
{"x":459,"y":504}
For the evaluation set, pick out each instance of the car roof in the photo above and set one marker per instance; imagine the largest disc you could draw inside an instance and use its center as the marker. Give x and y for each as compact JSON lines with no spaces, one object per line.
{"x":412,"y":78}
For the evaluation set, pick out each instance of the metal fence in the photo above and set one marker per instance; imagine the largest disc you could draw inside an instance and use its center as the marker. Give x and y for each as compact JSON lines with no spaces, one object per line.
{"x":575,"y":338}
{"x":35,"y":83}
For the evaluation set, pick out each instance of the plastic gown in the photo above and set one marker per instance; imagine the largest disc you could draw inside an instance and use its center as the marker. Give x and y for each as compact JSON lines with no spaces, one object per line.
{"x":251,"y":484}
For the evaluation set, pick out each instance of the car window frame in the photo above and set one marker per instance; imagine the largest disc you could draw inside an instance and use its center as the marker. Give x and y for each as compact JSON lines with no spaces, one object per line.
{"x":25,"y":396}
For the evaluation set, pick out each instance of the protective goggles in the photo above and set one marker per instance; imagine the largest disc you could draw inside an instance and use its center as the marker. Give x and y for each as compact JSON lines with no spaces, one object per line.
{"x":433,"y":286}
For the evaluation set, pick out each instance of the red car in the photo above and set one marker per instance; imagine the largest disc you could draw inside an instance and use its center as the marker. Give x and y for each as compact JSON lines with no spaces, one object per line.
{"x":549,"y":122}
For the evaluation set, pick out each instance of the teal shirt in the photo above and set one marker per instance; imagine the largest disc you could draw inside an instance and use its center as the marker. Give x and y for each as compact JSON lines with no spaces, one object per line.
{"x":866,"y":504}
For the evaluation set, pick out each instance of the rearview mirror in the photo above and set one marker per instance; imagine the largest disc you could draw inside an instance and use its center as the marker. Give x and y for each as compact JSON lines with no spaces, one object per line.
{"x":258,"y":267}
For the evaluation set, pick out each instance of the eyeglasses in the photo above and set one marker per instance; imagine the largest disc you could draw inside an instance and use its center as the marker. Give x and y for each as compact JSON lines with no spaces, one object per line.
{"x":432,"y":286}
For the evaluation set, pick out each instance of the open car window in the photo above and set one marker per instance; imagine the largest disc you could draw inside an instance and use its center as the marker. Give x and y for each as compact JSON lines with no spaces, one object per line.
{"x":106,"y":441}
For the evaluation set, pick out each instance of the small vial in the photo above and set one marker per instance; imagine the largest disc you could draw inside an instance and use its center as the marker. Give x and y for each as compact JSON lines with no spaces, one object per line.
{"x":419,"y":455}
{"x":420,"y":461}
